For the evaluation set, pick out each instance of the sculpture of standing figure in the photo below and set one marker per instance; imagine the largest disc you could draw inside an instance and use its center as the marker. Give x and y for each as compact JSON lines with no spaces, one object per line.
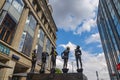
{"x":34,"y":59}
{"x":53,"y":57}
{"x":44,"y":57}
{"x":78,"y":54}
{"x":65,"y":56}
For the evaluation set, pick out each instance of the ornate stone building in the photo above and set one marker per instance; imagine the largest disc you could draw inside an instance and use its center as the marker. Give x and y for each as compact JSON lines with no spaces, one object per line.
{"x":25,"y":25}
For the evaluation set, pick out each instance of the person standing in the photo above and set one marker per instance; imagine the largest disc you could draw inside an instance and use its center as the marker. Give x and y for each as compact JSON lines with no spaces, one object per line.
{"x":78,"y":54}
{"x":65,"y":56}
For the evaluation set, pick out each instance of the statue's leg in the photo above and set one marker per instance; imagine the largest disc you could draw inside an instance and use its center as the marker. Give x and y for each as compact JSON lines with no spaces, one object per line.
{"x":31,"y":68}
{"x":66,"y":60}
{"x":80,"y":61}
{"x":64,"y":64}
{"x":77,"y":62}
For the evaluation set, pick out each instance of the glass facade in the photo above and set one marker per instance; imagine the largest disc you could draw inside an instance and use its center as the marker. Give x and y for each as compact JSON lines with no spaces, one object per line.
{"x":108,"y":21}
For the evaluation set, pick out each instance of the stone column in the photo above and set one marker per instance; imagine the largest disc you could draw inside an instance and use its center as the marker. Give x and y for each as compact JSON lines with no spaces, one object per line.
{"x":35,"y":39}
{"x":9,"y":72}
{"x":20,"y":28}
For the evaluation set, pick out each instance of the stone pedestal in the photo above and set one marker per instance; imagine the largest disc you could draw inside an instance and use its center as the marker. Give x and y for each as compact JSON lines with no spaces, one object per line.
{"x":66,"y":76}
{"x":42,"y":71}
{"x":65,"y":70}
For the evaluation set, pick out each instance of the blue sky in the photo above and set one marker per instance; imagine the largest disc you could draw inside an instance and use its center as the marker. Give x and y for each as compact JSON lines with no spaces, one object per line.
{"x":76,"y":22}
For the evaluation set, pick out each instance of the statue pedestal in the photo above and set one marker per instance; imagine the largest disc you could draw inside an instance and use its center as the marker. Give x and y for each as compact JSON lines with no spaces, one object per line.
{"x":65,"y":70}
{"x":80,"y":70}
{"x":52,"y":70}
{"x":47,"y":76}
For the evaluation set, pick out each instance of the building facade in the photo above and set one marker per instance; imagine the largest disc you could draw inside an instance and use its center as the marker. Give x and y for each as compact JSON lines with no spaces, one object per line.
{"x":108,"y":21}
{"x":25,"y":25}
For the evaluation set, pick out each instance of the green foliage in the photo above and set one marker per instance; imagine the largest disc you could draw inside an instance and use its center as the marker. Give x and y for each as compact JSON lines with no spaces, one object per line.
{"x":58,"y":71}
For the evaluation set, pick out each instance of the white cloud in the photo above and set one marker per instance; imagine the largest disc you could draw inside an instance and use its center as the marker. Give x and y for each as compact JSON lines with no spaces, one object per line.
{"x":69,"y":14}
{"x":69,"y":44}
{"x":93,"y":38}
{"x":87,"y":26}
{"x":91,"y":63}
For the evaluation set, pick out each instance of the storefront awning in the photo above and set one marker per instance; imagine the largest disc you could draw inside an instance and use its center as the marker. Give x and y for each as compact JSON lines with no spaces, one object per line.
{"x":2,"y":65}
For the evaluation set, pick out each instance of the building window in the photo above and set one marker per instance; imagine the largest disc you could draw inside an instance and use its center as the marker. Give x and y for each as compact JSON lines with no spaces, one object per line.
{"x":27,"y":36}
{"x":18,"y":4}
{"x":22,"y":41}
{"x":118,"y":29}
{"x":33,"y":2}
{"x":31,"y":21}
{"x":7,"y":29}
{"x":48,"y":45}
{"x":27,"y":46}
{"x":41,"y":35}
{"x":9,"y":1}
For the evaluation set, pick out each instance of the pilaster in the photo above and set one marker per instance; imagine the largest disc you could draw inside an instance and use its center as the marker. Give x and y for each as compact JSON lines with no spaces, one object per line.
{"x":35,"y":39}
{"x":20,"y":28}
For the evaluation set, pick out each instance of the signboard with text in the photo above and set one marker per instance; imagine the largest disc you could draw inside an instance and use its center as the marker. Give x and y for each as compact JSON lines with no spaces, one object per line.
{"x":4,"y":49}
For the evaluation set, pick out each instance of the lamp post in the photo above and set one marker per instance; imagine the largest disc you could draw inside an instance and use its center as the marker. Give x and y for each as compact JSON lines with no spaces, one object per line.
{"x":72,"y":67}
{"x":97,"y":75}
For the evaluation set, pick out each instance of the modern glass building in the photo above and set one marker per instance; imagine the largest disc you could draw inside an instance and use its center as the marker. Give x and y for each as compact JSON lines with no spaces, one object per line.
{"x":108,"y":21}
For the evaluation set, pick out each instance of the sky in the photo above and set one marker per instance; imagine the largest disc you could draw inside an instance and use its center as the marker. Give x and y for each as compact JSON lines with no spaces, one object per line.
{"x":76,"y":23}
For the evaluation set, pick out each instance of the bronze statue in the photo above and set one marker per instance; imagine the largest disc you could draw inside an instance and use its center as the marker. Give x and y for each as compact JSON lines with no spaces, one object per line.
{"x":53,"y":57}
{"x":44,"y":57}
{"x":65,"y":56}
{"x":78,"y":54}
{"x":34,"y":59}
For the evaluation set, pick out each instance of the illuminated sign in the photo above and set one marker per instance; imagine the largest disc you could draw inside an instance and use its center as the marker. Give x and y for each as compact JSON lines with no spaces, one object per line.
{"x":4,"y":49}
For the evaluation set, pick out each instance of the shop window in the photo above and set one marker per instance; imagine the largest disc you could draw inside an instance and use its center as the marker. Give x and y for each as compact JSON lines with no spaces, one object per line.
{"x":7,"y":29}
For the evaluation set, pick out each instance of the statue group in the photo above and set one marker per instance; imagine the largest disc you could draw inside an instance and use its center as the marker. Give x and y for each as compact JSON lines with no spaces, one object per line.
{"x":53,"y":54}
{"x":65,"y":56}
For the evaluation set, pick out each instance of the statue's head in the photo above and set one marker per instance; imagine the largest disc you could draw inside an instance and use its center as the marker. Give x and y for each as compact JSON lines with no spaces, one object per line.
{"x":52,"y":48}
{"x":68,"y":48}
{"x":78,"y":46}
{"x":34,"y":51}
